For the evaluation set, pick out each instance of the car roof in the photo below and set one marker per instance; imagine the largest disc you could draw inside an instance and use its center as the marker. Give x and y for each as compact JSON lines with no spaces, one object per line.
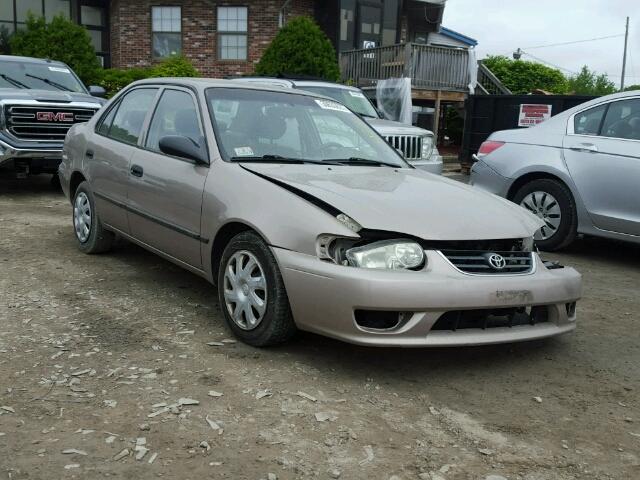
{"x":19,"y":59}
{"x":204,"y":83}
{"x":294,"y":82}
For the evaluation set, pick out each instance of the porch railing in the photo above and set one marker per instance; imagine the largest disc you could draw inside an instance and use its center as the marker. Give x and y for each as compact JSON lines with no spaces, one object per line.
{"x":428,"y":66}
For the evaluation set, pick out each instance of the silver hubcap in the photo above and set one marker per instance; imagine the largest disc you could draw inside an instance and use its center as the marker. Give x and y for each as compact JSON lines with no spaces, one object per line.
{"x":545,"y":206}
{"x":245,"y":290}
{"x":82,"y":217}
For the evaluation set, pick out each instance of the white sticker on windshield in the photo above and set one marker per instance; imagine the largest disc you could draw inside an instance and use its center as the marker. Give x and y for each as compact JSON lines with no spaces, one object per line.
{"x":244,"y":151}
{"x":330,"y":105}
{"x":59,"y":69}
{"x":356,"y":94}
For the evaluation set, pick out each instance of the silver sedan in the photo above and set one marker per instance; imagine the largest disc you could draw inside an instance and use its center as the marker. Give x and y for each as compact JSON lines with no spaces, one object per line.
{"x":579,"y":171}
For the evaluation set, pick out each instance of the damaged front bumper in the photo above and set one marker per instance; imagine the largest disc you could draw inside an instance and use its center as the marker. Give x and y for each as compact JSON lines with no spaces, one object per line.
{"x":435,"y":307}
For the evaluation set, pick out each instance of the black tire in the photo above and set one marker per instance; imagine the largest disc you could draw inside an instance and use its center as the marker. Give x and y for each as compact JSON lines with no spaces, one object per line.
{"x":568,"y":228}
{"x":55,"y":182}
{"x":276,"y":325}
{"x":99,"y":239}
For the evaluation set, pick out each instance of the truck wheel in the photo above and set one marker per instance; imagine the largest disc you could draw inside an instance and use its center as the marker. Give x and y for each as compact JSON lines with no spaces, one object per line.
{"x":55,"y":182}
{"x":553,"y":203}
{"x":251,"y":292}
{"x":91,"y":235}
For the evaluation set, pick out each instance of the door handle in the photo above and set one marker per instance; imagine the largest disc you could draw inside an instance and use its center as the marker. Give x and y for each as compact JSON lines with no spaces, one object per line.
{"x":584,"y":147}
{"x":88,"y":154}
{"x":137,"y":171}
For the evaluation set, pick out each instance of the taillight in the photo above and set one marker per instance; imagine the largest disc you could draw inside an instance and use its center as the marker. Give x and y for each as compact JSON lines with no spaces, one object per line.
{"x":489,"y":146}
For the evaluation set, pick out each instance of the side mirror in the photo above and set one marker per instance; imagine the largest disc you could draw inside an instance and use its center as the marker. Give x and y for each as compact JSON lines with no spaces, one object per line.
{"x":97,"y":91}
{"x":183,"y":147}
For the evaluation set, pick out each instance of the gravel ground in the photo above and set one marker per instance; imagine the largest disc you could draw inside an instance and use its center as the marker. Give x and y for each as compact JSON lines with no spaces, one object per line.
{"x":106,"y":369}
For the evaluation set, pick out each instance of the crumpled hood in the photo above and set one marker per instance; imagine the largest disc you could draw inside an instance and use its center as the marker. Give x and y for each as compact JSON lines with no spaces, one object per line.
{"x":388,"y":127}
{"x":9,"y":94}
{"x":407,"y":201}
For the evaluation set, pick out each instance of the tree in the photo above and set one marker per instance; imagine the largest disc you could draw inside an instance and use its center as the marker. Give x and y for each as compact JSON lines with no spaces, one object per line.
{"x":300,"y":48}
{"x":588,"y":82}
{"x":523,"y":76}
{"x":4,"y":40}
{"x":62,"y":40}
{"x":631,"y":87}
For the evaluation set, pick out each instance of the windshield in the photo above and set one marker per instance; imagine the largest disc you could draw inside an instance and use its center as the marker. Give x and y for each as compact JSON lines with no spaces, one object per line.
{"x":255,"y":125}
{"x":353,"y":99}
{"x":40,"y":76}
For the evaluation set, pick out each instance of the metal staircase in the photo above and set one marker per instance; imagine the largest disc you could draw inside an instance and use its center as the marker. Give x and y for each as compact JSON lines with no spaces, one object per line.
{"x":488,"y":83}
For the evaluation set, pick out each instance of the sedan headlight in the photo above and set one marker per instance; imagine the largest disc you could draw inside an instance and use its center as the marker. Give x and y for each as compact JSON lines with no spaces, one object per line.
{"x":387,"y":255}
{"x":427,"y":147}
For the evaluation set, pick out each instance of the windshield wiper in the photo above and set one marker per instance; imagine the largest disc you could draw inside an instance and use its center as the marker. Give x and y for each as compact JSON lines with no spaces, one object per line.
{"x":363,"y":161}
{"x":13,"y":81}
{"x":49,"y":82}
{"x":274,"y":159}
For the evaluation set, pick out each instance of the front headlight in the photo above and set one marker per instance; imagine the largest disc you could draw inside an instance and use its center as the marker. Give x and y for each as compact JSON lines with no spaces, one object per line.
{"x":387,"y":255}
{"x":427,"y":147}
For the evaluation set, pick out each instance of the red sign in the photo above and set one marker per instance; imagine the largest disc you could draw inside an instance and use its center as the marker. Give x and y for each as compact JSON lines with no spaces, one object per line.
{"x":533,"y":114}
{"x":54,"y":116}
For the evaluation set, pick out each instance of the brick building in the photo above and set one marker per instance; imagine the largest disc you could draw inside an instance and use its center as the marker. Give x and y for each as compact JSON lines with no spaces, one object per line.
{"x":226,"y":37}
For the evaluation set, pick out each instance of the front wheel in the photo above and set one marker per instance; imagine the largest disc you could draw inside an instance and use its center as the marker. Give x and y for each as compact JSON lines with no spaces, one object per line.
{"x":92,"y":237}
{"x":251,"y":292}
{"x":553,"y":203}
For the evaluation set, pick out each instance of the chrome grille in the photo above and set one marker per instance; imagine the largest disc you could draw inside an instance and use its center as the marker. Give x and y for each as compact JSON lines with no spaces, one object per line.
{"x":477,"y":262}
{"x":409,"y":145}
{"x":44,"y":123}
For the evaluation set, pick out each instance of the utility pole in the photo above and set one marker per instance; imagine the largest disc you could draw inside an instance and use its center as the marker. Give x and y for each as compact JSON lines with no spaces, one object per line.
{"x":624,"y":56}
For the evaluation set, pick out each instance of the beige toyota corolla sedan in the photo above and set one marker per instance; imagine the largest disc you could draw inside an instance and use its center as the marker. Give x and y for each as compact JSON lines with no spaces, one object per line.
{"x":305,"y":218}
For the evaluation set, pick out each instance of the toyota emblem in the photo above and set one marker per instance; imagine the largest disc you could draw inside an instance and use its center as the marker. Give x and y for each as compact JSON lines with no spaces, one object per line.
{"x":496,"y":261}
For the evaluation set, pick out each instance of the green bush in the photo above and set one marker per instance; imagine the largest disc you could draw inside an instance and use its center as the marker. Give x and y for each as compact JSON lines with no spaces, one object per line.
{"x":115,"y":79}
{"x":523,"y":76}
{"x":590,"y":83}
{"x":62,"y":40}
{"x":300,"y":48}
{"x":176,"y":66}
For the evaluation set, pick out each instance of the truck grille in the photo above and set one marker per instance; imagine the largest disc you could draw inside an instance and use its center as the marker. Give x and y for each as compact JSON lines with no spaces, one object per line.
{"x":480,"y":262}
{"x":44,"y":123}
{"x":409,"y":145}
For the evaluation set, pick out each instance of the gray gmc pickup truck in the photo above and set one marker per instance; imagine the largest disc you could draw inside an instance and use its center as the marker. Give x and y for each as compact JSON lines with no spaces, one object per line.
{"x":39,"y":101}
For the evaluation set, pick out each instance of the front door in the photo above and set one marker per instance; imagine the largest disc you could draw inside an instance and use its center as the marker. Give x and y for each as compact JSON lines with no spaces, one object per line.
{"x":165,"y":192}
{"x":602,"y":153}
{"x":369,"y":25}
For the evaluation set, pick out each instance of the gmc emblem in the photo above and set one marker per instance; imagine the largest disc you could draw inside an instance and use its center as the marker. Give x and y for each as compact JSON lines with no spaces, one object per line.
{"x":54,"y":117}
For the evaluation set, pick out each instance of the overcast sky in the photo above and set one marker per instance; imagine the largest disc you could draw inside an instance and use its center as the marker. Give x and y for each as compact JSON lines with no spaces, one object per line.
{"x":501,"y":26}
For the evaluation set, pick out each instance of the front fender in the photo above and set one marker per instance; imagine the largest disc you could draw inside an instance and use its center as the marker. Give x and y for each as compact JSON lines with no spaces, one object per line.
{"x":282,"y":218}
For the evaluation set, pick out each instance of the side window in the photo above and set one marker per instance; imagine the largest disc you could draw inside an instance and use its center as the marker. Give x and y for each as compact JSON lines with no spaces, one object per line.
{"x":107,"y":120}
{"x":130,"y":116}
{"x":623,"y":120}
{"x":175,"y":114}
{"x":588,"y":122}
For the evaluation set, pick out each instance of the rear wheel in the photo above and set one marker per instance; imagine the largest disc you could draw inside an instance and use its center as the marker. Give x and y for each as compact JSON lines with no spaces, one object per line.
{"x":251,"y":292}
{"x":553,"y":203}
{"x":91,"y":235}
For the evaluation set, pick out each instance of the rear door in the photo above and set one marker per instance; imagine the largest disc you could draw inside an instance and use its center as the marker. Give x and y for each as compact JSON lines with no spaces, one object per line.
{"x":109,"y":154}
{"x":165,"y":192}
{"x":602,"y":153}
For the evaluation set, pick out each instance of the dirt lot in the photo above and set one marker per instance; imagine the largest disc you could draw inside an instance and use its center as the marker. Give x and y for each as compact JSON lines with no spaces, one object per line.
{"x":92,"y":346}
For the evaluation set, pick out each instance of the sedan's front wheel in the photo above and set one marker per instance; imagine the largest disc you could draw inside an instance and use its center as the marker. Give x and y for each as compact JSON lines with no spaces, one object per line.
{"x":251,"y":292}
{"x":553,"y":203}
